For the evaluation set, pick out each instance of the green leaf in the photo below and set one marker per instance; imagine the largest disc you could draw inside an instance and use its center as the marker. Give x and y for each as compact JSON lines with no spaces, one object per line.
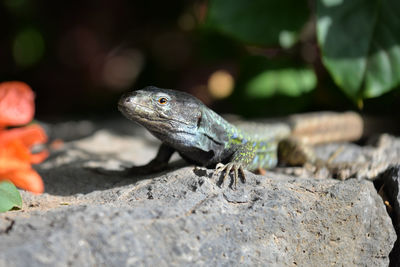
{"x":258,"y":21}
{"x":9,"y":196}
{"x":28,"y":47}
{"x":261,"y":77}
{"x":290,"y":82}
{"x":360,"y":43}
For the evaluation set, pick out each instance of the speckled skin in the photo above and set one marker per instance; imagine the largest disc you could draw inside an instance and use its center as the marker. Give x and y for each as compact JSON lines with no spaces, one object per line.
{"x":197,"y":133}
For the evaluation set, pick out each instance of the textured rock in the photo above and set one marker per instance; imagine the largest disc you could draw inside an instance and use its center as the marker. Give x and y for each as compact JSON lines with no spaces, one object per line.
{"x":351,"y":160}
{"x":389,"y":182}
{"x":182,"y":217}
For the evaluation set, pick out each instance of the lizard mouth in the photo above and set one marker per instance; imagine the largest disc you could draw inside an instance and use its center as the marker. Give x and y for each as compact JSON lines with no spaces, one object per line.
{"x":152,"y":119}
{"x":142,"y":113}
{"x":136,"y":111}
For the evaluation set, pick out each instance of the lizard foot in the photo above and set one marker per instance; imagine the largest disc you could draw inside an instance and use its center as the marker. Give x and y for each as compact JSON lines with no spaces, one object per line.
{"x":227,"y":168}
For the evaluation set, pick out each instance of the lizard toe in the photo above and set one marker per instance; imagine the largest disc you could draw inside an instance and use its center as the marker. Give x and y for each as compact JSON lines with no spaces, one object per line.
{"x":227,"y":168}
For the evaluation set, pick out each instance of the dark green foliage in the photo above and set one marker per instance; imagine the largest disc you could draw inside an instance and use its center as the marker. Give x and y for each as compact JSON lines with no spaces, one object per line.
{"x":257,"y":21}
{"x":359,"y":41}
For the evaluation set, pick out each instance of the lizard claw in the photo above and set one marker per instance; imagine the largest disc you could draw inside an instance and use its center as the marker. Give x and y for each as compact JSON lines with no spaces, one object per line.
{"x":227,"y":168}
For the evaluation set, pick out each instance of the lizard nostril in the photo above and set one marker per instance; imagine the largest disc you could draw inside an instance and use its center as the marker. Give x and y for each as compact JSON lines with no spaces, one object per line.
{"x":124,"y":100}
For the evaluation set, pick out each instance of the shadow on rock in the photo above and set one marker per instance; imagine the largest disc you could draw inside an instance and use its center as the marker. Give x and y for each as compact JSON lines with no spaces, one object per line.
{"x":75,"y":171}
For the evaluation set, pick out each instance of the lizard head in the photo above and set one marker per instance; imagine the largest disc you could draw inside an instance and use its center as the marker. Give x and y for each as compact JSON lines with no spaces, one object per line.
{"x":162,"y":111}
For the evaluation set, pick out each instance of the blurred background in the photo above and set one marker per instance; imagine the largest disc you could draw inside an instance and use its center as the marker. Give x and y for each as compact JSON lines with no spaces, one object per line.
{"x":254,"y":58}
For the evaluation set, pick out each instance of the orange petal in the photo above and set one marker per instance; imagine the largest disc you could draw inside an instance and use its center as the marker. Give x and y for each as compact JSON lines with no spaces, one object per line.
{"x":16,"y":103}
{"x":39,"y":157}
{"x":14,"y":155}
{"x":57,"y":144}
{"x":7,"y":164}
{"x":27,"y":179}
{"x":29,"y":135}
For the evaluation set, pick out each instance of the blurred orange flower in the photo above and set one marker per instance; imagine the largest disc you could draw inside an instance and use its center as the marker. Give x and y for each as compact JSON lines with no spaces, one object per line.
{"x":16,"y":108}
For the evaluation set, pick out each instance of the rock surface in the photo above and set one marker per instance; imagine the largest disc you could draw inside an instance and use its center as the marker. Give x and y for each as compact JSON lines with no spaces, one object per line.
{"x":351,"y":160}
{"x":182,"y":217}
{"x":389,"y":184}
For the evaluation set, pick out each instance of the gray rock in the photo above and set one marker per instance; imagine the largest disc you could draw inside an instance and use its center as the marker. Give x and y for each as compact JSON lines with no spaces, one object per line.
{"x":181,"y":217}
{"x":389,"y":182}
{"x":346,"y":160}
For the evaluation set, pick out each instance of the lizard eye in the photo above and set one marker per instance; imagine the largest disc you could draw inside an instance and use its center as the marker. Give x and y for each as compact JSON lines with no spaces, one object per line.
{"x":162,"y":100}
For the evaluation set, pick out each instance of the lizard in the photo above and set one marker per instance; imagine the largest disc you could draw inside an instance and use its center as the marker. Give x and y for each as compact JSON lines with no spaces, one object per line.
{"x":201,"y":136}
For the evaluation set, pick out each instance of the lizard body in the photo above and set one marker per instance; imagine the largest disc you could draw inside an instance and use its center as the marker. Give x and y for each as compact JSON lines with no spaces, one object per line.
{"x":184,"y":124}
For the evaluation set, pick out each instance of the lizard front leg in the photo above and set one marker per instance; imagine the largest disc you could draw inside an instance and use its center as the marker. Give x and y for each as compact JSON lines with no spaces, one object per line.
{"x":241,"y":159}
{"x":250,"y":156}
{"x":159,"y":163}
